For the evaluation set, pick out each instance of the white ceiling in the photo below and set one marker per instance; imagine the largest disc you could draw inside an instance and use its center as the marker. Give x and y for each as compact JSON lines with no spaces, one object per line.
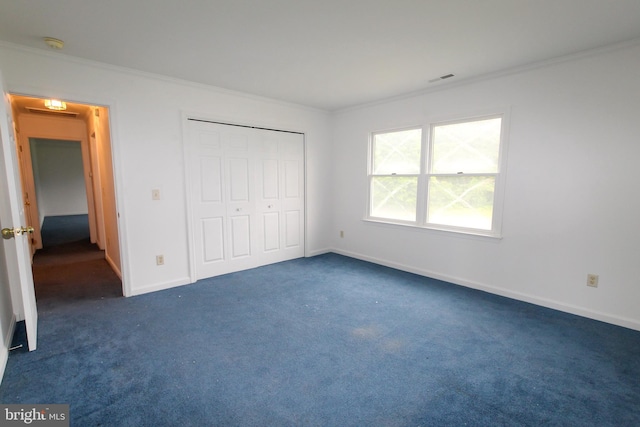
{"x":328,"y":54}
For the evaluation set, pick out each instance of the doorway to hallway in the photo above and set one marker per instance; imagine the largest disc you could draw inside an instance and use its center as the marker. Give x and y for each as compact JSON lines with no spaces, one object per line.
{"x":69,"y":192}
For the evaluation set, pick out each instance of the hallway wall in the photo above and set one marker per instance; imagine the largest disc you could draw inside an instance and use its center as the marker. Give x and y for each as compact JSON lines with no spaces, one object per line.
{"x":59,"y":177}
{"x":104,"y":185}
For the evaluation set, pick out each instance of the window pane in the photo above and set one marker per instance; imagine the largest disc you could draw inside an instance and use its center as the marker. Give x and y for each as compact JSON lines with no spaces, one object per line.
{"x":470,"y":147}
{"x":397,"y":152}
{"x":394,"y":197}
{"x":461,"y":201}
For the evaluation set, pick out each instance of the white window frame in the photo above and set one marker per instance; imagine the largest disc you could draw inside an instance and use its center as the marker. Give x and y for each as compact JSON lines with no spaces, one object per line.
{"x":418,"y":175}
{"x":425,"y":173}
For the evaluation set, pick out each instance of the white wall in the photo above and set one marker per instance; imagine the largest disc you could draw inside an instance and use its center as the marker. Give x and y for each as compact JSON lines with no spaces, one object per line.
{"x":146,"y":115}
{"x":59,"y":177}
{"x":572,"y":198}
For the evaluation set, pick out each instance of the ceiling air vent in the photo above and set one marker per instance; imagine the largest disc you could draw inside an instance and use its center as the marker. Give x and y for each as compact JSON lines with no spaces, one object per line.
{"x":437,"y":79}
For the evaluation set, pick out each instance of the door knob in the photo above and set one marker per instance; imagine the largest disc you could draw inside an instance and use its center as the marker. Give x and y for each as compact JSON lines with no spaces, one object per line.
{"x":10,"y":233}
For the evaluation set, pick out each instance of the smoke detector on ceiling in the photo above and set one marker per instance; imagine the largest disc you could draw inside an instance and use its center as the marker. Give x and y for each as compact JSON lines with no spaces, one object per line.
{"x":54,"y":43}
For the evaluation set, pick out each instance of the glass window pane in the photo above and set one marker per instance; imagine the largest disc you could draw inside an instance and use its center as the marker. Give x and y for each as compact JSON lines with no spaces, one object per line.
{"x":470,"y":147}
{"x":397,"y":152}
{"x":461,"y":201}
{"x":394,"y":197}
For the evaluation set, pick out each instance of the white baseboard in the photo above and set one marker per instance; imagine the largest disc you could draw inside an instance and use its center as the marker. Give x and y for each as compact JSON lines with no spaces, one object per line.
{"x":318,"y":252}
{"x":567,"y":308}
{"x":6,"y":344}
{"x":160,"y":286}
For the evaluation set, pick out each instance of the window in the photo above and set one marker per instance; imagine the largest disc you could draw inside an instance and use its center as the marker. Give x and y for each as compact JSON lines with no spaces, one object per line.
{"x":448,"y":179}
{"x":395,"y":171}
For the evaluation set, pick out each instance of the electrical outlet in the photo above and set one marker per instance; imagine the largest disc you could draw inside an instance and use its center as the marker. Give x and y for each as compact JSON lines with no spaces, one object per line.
{"x":159,"y":259}
{"x":592,"y":280}
{"x":341,"y":234}
{"x":155,"y":194}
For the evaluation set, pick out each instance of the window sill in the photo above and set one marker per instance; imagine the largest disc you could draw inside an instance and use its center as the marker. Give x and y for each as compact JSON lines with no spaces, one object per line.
{"x":453,"y":232}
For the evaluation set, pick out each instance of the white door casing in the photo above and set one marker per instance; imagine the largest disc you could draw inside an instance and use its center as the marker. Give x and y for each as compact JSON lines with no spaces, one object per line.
{"x":246,"y":189}
{"x":12,"y":215}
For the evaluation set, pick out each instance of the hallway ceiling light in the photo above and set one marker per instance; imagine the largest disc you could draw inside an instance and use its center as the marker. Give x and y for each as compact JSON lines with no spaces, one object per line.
{"x":54,"y":43}
{"x":54,"y":104}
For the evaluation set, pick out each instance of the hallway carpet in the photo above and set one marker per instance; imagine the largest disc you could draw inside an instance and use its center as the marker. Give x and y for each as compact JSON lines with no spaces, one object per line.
{"x":61,"y":229}
{"x":70,"y":267}
{"x":326,"y":341}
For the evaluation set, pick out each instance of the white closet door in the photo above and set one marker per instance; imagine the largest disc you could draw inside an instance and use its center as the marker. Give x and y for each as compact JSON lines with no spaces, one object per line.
{"x":247,"y":197}
{"x":209,"y":210}
{"x":238,"y":182}
{"x":280,"y":198}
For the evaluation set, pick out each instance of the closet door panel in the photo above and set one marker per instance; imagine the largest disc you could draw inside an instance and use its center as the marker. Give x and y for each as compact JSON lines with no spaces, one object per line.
{"x":213,"y":239}
{"x":271,"y":230}
{"x":292,"y":175}
{"x":238,"y":178}
{"x":207,"y":199}
{"x":239,"y":151}
{"x":240,"y":233}
{"x":269,"y":184}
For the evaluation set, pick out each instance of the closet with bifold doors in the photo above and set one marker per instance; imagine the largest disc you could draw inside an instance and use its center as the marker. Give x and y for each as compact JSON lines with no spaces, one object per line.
{"x":246,"y":191}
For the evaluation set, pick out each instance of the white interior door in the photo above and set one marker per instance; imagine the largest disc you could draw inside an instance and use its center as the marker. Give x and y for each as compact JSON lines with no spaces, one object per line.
{"x":247,"y":196}
{"x":12,"y":216}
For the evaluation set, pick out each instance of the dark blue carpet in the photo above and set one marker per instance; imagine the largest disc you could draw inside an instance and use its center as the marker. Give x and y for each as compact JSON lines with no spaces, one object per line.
{"x":327,"y":341}
{"x":58,"y":230}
